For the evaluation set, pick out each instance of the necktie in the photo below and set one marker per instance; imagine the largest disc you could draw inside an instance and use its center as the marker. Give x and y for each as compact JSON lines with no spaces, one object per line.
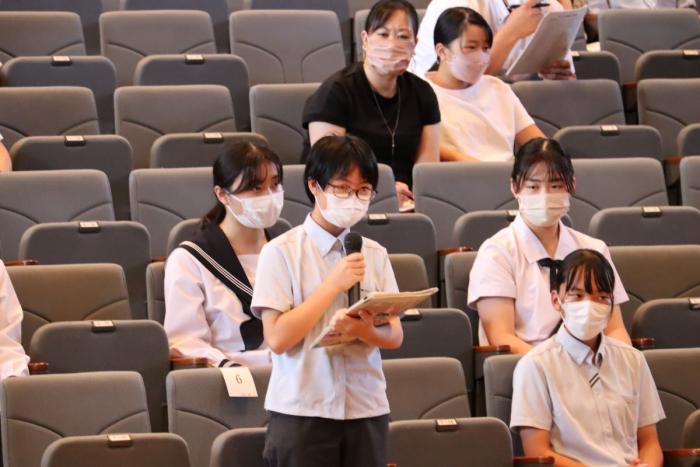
{"x":554,"y":265}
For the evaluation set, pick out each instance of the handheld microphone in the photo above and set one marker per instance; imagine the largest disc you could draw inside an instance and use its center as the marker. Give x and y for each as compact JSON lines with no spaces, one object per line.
{"x":353,"y":244}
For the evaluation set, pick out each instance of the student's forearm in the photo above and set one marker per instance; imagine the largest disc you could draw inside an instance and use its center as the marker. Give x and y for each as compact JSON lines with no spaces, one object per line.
{"x":5,"y":161}
{"x":385,"y":337}
{"x":450,"y":154}
{"x":517,"y":345}
{"x":651,"y":455}
{"x":503,"y":43}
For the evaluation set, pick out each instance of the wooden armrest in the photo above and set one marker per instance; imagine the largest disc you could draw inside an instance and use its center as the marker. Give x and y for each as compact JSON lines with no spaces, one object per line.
{"x":591,"y":17}
{"x":644,"y":343}
{"x":672,"y":160}
{"x":184,"y":363}
{"x":158,"y":259}
{"x":521,"y":460}
{"x":481,"y":353}
{"x":454,"y":249}
{"x":688,"y":452}
{"x":496,"y":349}
{"x":38,"y":368}
{"x":22,"y":262}
{"x":681,"y":457}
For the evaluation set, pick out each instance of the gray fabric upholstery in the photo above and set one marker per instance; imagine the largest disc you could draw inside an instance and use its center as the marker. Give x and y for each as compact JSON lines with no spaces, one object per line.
{"x":596,"y":142}
{"x":625,"y":32}
{"x":441,"y":393}
{"x":121,"y":242}
{"x":473,"y":228}
{"x":155,"y":291}
{"x":386,"y":199}
{"x":315,"y":53}
{"x":649,"y":272}
{"x":143,"y":113}
{"x":143,"y":450}
{"x":140,"y":345}
{"x":675,"y":374}
{"x":24,"y":34}
{"x":689,"y":140}
{"x":498,"y":381}
{"x":476,"y":441}
{"x":128,"y":36}
{"x":200,"y":409}
{"x":690,"y":181}
{"x":69,"y":292}
{"x":29,"y":198}
{"x":669,"y":105}
{"x":667,"y":64}
{"x":196,"y":149}
{"x":677,"y":225}
{"x":457,"y":269}
{"x":672,"y":322}
{"x":44,"y":111}
{"x":240,"y":447}
{"x":691,"y":430}
{"x":276,"y":113}
{"x":596,"y":65}
{"x":95,"y":73}
{"x":110,"y":154}
{"x":296,"y":202}
{"x":90,"y":404}
{"x":160,"y":198}
{"x":410,"y":273}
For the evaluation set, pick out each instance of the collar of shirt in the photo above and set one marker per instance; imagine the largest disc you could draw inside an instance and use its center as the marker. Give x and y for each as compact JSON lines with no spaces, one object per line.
{"x":532,"y":247}
{"x":579,"y":351}
{"x":320,"y":237}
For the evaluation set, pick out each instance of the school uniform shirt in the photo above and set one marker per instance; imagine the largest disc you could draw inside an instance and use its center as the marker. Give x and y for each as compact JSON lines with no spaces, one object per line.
{"x":13,"y":360}
{"x":506,"y":266}
{"x":346,"y":99}
{"x":482,"y":119}
{"x":341,"y":382}
{"x":203,"y":316}
{"x":591,"y":404}
{"x":596,"y":6}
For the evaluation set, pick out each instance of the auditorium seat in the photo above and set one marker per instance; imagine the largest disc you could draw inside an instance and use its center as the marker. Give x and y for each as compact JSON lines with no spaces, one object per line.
{"x":128,"y":36}
{"x":46,"y":111}
{"x":33,"y":33}
{"x":143,"y":113}
{"x":134,"y":450}
{"x":690,"y":181}
{"x":386,"y":200}
{"x":155,"y":292}
{"x":558,"y":104}
{"x":296,"y":202}
{"x":691,"y":430}
{"x":672,"y":323}
{"x":240,"y":447}
{"x":595,"y":65}
{"x":314,"y":53}
{"x":110,"y":154}
{"x":95,"y":73}
{"x":196,"y":149}
{"x":79,"y":347}
{"x":610,"y":141}
{"x":41,"y":409}
{"x":668,"y":64}
{"x":668,"y":225}
{"x":689,"y":140}
{"x":122,"y":242}
{"x":410,"y":273}
{"x":30,"y":198}
{"x":457,"y":269}
{"x":276,"y":113}
{"x":69,"y":292}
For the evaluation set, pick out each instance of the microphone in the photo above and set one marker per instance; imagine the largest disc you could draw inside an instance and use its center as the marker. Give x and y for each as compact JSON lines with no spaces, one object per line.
{"x":353,"y":244}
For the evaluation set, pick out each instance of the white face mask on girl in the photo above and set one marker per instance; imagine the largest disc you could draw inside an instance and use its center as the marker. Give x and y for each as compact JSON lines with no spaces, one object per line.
{"x":585,"y":319}
{"x":544,"y":209}
{"x":343,"y":212}
{"x":469,"y":67}
{"x":259,"y":212}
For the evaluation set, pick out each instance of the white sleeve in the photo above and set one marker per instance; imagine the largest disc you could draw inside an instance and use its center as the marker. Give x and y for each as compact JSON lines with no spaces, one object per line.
{"x":13,"y":359}
{"x":521,"y":118}
{"x":619,"y":294}
{"x":491,"y":275}
{"x":532,"y":404}
{"x":273,"y":282}
{"x":650,"y":409}
{"x":1,"y":136}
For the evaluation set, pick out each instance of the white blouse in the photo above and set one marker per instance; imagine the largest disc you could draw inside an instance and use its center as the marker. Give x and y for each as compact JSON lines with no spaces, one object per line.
{"x":13,"y":360}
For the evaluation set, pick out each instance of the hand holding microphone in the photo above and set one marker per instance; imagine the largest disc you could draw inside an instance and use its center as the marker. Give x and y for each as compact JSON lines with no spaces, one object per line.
{"x":351,"y":269}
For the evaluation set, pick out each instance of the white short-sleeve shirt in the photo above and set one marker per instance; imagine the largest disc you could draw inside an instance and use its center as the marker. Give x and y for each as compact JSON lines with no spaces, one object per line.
{"x":592,"y":405}
{"x":13,"y":360}
{"x":341,"y":382}
{"x":506,"y":266}
{"x":482,"y":120}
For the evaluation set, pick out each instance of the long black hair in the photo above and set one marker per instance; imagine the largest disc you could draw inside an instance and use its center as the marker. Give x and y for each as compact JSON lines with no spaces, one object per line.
{"x":551,"y":154}
{"x":243,"y":160}
{"x":589,"y":264}
{"x":382,"y":11}
{"x":451,"y":23}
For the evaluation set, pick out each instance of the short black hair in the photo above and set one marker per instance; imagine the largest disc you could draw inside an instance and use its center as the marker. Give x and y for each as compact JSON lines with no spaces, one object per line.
{"x":382,"y":11}
{"x":452,"y":22}
{"x":594,"y":267}
{"x":550,"y":153}
{"x":335,"y":156}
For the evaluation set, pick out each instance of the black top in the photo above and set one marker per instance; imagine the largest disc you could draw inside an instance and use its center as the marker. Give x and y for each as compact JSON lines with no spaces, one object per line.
{"x":345,"y":99}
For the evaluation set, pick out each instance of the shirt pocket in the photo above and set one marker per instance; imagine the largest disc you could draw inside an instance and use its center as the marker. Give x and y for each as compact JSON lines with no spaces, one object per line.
{"x":623,"y":411}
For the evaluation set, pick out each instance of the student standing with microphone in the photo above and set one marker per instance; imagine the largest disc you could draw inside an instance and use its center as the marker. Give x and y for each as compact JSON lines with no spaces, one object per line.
{"x":328,"y":406}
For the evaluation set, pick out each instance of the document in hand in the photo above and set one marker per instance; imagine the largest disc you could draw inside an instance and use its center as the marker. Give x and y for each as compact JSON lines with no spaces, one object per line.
{"x":382,"y":306}
{"x":551,"y":41}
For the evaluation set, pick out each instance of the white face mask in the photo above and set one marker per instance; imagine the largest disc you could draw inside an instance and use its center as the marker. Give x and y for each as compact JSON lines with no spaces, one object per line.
{"x":259,"y":212}
{"x":585,"y":319}
{"x":544,"y":209}
{"x":343,"y":212}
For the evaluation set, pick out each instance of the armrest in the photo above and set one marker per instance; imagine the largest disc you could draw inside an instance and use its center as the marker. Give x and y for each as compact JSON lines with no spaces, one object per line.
{"x":524,"y":461}
{"x":643,"y":343}
{"x":483,"y":352}
{"x":38,"y":368}
{"x":158,"y":259}
{"x":188,"y":363}
{"x":22,"y":262}
{"x":442,"y":252}
{"x":681,"y":457}
{"x":672,"y":160}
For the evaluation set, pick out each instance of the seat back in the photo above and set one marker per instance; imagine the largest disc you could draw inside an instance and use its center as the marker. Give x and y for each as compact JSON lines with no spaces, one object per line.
{"x":34,"y":33}
{"x":95,"y":73}
{"x":110,"y":154}
{"x":200,"y":409}
{"x":598,"y":142}
{"x":106,"y":402}
{"x":690,"y":181}
{"x":386,"y":200}
{"x":315,"y":53}
{"x":595,"y":65}
{"x":78,"y":347}
{"x":240,"y":447}
{"x":417,"y":443}
{"x":667,"y":64}
{"x":689,"y":140}
{"x":139,"y":450}
{"x":672,"y":322}
{"x":128,"y":36}
{"x":473,"y":228}
{"x":457,"y":269}
{"x":124,"y":243}
{"x":196,"y":149}
{"x":68,"y":292}
{"x":30,"y":198}
{"x":276,"y":113}
{"x":410,"y":273}
{"x":558,"y":104}
{"x":45,"y":111}
{"x":296,"y":202}
{"x":498,"y":383}
{"x":691,"y":430}
{"x":670,"y":225}
{"x":155,"y":291}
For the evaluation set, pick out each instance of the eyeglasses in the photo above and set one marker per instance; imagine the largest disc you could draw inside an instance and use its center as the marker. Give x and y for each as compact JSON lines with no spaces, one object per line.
{"x":343,"y":192}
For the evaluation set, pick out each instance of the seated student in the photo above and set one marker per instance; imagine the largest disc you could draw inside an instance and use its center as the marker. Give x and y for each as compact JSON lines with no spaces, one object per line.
{"x":328,"y":405}
{"x":582,"y":397}
{"x":5,"y":161}
{"x":512,"y":23}
{"x":209,"y":280}
{"x":13,"y":360}
{"x":395,"y":112}
{"x":509,"y":283}
{"x":482,"y":118}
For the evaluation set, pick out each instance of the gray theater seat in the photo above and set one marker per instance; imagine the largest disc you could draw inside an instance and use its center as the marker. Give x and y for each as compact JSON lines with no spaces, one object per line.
{"x":595,"y":65}
{"x":672,"y":322}
{"x":689,"y":140}
{"x":690,"y":178}
{"x":155,"y":293}
{"x":498,"y":378}
{"x":196,"y":149}
{"x":668,"y":64}
{"x":32,"y":33}
{"x":610,"y":141}
{"x":457,"y":269}
{"x":296,"y":202}
{"x":240,"y":447}
{"x":691,"y":430}
{"x":409,"y":271}
{"x":668,"y":225}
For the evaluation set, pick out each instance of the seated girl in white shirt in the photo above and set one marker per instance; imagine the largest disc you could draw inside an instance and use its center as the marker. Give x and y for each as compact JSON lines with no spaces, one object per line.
{"x":482,"y":118}
{"x":509,"y":284}
{"x":13,"y":359}
{"x":209,"y":280}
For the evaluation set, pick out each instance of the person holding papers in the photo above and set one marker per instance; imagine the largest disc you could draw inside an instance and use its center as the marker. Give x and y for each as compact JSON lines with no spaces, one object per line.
{"x":482,"y":118}
{"x":328,"y":406}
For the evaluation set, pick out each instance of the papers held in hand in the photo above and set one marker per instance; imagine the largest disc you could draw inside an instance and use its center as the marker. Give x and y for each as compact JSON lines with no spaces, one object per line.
{"x":382,"y":306}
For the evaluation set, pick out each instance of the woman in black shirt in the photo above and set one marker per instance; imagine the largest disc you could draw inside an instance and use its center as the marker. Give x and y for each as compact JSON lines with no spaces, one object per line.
{"x":394,"y":111}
